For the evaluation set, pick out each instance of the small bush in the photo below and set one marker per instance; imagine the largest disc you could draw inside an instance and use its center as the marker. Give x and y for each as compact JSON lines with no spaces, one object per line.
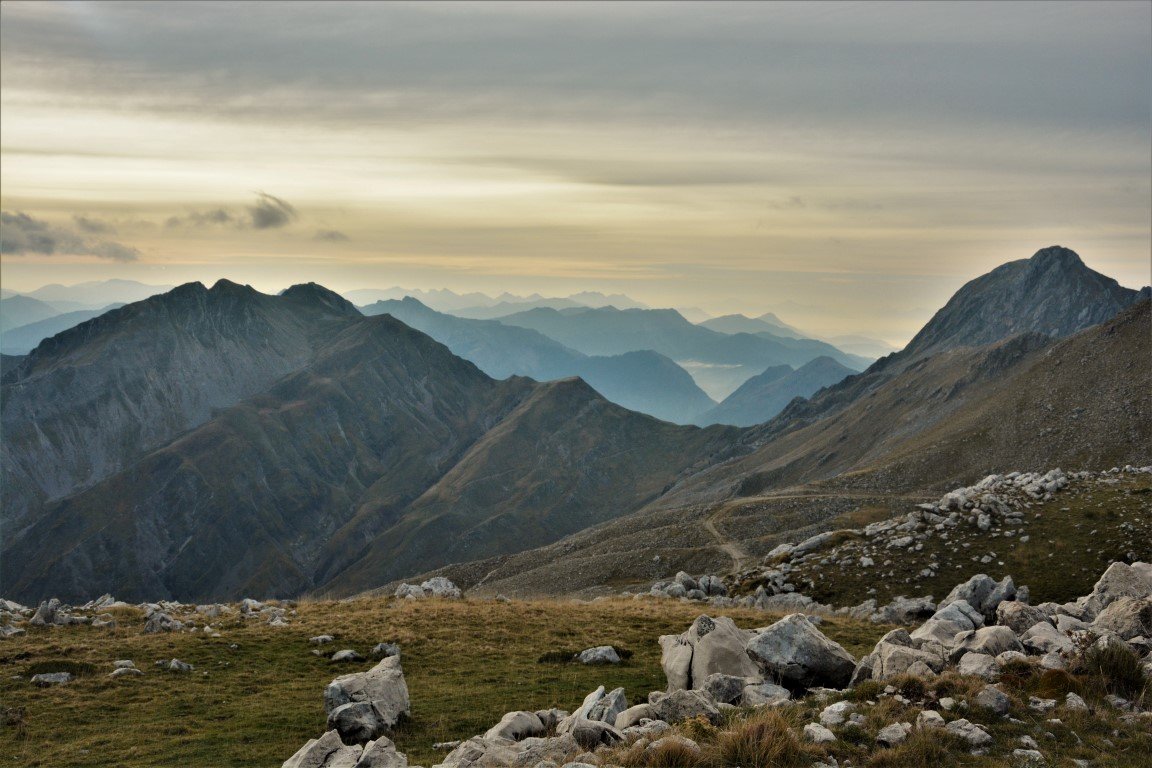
{"x":1056,"y":684}
{"x":764,"y":740}
{"x":1115,"y":669}
{"x":1017,"y":674}
{"x":932,"y":748}
{"x":699,"y":729}
{"x":910,"y":687}
{"x":867,"y":690}
{"x":672,"y":754}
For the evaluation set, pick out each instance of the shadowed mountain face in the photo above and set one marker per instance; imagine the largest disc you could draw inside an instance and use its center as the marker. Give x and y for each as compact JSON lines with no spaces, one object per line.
{"x":380,"y":455}
{"x":89,"y":400}
{"x":641,"y":381}
{"x":1052,"y":293}
{"x":719,"y":362}
{"x":762,"y":397}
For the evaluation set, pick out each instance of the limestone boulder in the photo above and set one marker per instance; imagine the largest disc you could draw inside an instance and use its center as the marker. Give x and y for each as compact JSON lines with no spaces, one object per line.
{"x":794,"y":651}
{"x":382,"y":696}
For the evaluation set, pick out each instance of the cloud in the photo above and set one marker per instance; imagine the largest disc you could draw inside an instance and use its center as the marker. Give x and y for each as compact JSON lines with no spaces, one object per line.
{"x":92,"y":226}
{"x":268,"y":212}
{"x":271,"y":212}
{"x":23,"y":234}
{"x":331,"y":235}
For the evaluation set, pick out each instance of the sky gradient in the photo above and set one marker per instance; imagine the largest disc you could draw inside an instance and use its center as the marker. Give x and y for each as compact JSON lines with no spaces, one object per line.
{"x":845,"y":165}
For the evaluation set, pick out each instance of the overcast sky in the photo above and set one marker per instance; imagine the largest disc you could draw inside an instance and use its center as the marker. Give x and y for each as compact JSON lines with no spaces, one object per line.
{"x":845,"y":165}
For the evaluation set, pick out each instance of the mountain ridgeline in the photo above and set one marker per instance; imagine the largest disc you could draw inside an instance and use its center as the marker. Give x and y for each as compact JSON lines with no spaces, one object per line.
{"x":205,"y":443}
{"x":208,"y":443}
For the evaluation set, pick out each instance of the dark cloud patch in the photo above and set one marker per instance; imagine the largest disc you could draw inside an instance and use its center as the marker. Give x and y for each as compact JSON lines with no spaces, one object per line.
{"x":270,"y":212}
{"x":22,"y":234}
{"x":93,"y":226}
{"x":330,"y":235}
{"x":214,"y":218}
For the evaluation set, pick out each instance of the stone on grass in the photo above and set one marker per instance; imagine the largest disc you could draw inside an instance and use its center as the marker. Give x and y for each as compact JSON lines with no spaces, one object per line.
{"x":601,"y":654}
{"x":346,"y":655}
{"x":994,"y":699}
{"x":929,"y":718}
{"x":836,"y":714}
{"x":685,"y":705}
{"x":975,"y":735}
{"x":517,"y":726}
{"x":765,"y":695}
{"x":45,"y":679}
{"x":381,"y":688}
{"x":794,"y":651}
{"x":818,"y":734}
{"x":978,"y":665}
{"x":894,"y":734}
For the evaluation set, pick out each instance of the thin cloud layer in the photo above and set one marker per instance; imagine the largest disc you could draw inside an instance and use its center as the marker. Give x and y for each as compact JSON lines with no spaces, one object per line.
{"x":21,"y":234}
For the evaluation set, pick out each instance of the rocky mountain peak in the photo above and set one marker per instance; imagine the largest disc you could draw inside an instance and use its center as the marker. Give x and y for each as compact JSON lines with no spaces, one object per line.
{"x":321,"y":298}
{"x":1056,"y":257}
{"x":1053,"y":293}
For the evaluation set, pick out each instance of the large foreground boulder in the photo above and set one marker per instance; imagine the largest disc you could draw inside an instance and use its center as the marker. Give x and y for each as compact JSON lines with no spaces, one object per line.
{"x":1120,"y":580}
{"x":710,"y":646}
{"x":794,"y":652}
{"x":364,"y":705}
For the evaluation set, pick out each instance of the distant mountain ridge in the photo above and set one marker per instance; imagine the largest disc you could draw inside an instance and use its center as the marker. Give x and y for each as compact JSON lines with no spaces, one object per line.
{"x":762,"y":397}
{"x":642,"y":381}
{"x":719,"y":362}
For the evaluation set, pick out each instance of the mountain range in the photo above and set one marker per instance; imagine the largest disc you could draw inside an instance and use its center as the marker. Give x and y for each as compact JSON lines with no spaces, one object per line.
{"x":641,"y":380}
{"x":765,"y":395}
{"x":719,"y":362}
{"x":207,"y":443}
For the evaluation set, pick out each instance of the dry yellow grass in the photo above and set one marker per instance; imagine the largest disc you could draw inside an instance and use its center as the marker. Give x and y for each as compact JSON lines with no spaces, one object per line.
{"x":466,"y":663}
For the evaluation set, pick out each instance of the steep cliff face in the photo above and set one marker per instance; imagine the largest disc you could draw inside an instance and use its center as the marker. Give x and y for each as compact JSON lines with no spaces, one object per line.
{"x":88,"y":401}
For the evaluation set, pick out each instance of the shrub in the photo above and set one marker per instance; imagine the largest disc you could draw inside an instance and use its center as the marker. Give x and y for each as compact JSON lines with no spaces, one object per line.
{"x":932,"y":748}
{"x":1115,"y":669}
{"x":1056,"y":684}
{"x":867,"y":690}
{"x":699,"y":729}
{"x":672,"y":754}
{"x":764,"y":740}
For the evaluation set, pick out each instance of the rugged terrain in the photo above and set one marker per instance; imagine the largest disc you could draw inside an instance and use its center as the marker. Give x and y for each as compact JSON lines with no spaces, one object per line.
{"x":383,"y":455}
{"x":1027,"y":404}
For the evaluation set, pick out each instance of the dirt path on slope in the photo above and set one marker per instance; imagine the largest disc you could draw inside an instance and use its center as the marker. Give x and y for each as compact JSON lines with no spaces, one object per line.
{"x":738,"y":554}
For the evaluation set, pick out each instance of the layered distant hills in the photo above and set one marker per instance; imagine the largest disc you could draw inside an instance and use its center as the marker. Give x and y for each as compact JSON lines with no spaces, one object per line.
{"x":212,"y":442}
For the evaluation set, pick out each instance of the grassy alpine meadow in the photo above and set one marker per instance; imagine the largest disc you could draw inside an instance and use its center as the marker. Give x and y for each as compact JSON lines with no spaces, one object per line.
{"x":255,"y":695}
